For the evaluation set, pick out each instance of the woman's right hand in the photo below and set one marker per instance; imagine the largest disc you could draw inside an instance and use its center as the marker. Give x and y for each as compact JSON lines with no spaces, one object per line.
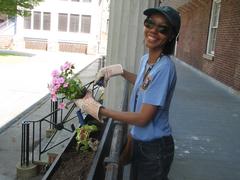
{"x":89,"y":105}
{"x":104,"y":74}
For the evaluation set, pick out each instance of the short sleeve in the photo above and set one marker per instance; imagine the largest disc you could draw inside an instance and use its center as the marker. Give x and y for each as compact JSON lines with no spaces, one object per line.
{"x":157,"y":90}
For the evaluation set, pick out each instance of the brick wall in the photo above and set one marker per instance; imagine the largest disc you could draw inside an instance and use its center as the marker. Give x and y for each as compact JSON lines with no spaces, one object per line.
{"x":36,"y":44}
{"x":73,"y":47}
{"x":225,"y":66}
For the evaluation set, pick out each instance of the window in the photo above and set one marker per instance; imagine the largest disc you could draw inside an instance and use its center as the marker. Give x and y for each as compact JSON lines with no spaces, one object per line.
{"x":87,"y":1}
{"x":36,"y":20}
{"x":27,"y":21}
{"x":62,"y":22}
{"x":213,"y":26}
{"x":74,"y":23}
{"x":46,"y":21}
{"x":86,"y":24}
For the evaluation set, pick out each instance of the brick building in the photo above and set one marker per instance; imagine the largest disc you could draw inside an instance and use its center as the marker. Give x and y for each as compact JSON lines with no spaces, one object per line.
{"x":210,"y":38}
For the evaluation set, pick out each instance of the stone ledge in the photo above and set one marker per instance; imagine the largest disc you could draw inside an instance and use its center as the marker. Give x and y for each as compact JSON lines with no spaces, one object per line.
{"x":24,"y":172}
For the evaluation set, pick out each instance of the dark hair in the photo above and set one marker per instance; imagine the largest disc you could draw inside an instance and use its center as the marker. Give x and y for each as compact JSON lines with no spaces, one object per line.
{"x":169,"y":47}
{"x":170,"y":44}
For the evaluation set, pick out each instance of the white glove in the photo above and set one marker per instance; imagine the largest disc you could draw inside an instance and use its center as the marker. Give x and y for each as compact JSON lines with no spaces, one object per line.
{"x":89,"y":106}
{"x":107,"y":72}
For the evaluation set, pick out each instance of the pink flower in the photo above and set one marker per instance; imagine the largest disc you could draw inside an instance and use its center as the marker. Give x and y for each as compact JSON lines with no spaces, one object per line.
{"x":66,"y":66}
{"x":55,"y":81}
{"x":56,"y":87}
{"x":61,"y":106}
{"x":61,"y":80}
{"x":55,"y":73}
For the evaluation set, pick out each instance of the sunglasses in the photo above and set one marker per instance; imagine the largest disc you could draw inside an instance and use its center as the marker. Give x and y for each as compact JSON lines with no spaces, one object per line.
{"x":149,"y":23}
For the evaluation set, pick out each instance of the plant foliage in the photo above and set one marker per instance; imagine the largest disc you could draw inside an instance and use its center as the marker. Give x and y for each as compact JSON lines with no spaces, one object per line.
{"x":17,"y":7}
{"x":84,"y":142}
{"x":66,"y":84}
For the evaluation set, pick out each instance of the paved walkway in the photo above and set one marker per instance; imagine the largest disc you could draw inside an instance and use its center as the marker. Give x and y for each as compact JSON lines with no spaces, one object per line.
{"x":206,"y":127}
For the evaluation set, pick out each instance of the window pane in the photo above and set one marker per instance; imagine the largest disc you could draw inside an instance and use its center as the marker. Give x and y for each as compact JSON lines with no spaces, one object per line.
{"x":27,"y":21}
{"x":212,"y":41}
{"x":212,"y":35}
{"x":62,"y":22}
{"x":36,"y":20}
{"x":46,"y":20}
{"x":74,"y":23}
{"x":86,"y":24}
{"x":216,"y":12}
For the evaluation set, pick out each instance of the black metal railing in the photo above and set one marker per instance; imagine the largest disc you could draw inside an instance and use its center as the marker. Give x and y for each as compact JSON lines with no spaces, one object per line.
{"x":54,"y":124}
{"x":29,"y":127}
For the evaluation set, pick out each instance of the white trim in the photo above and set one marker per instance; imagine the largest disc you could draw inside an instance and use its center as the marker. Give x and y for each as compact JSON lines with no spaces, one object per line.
{"x":212,"y":27}
{"x":208,"y":56}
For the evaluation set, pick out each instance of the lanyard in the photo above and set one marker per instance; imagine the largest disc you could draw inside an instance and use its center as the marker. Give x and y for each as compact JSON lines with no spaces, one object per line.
{"x":144,"y":77}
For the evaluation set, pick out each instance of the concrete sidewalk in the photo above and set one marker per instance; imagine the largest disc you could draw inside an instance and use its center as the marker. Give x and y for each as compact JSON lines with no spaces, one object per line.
{"x":205,"y":118}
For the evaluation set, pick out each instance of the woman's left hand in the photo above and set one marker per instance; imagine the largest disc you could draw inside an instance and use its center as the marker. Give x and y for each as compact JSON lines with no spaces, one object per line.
{"x":89,"y":105}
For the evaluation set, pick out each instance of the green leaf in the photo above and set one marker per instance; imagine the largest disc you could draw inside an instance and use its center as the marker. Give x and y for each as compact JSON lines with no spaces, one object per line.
{"x":13,"y":8}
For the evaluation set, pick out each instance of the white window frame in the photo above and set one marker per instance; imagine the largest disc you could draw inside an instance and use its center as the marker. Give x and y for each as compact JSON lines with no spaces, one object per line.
{"x":67,"y":25}
{"x":78,"y":28}
{"x":33,"y":20}
{"x":213,"y":27}
{"x":81,"y":25}
{"x":44,"y":21}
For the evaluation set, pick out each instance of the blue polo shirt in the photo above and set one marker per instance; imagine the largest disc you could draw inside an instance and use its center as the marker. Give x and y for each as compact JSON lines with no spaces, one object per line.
{"x":160,"y":84}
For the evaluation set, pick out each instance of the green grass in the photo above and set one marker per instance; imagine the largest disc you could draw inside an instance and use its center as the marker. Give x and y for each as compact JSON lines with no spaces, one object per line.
{"x":8,"y":54}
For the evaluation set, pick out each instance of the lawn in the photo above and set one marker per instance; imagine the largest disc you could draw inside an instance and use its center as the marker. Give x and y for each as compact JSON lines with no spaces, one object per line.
{"x":14,"y":53}
{"x":9,"y":58}
{"x":8,"y":54}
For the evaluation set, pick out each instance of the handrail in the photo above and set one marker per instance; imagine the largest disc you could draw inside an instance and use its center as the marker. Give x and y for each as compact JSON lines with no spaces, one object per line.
{"x":7,"y":24}
{"x":112,"y":161}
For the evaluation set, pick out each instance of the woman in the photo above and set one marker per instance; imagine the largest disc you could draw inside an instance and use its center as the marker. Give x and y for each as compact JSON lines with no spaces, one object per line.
{"x":153,"y":146}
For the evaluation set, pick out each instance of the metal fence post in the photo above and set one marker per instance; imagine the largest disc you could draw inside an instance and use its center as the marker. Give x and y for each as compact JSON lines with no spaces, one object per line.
{"x":53,"y":119}
{"x":25,"y":144}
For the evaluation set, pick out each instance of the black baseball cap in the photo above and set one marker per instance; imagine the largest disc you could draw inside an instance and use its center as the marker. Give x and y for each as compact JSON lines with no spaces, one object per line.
{"x":170,"y":13}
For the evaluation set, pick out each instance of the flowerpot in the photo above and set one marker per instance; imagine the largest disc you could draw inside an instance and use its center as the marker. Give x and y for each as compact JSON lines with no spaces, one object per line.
{"x":82,"y":165}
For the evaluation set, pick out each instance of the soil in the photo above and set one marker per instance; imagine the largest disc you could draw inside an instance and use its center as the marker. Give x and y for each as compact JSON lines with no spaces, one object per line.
{"x":74,"y":165}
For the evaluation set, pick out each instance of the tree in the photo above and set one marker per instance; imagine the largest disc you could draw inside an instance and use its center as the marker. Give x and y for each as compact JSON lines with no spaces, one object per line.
{"x":17,"y":7}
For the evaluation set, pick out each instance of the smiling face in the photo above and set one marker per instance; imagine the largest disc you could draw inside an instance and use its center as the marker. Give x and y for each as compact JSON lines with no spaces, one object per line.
{"x":155,"y":39}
